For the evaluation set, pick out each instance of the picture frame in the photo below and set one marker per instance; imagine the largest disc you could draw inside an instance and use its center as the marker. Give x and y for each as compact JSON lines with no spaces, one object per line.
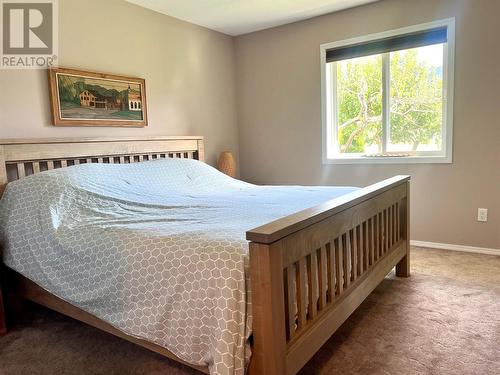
{"x":86,"y":98}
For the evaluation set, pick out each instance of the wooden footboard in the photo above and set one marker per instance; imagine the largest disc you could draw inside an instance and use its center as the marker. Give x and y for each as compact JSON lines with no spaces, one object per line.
{"x":311,"y":270}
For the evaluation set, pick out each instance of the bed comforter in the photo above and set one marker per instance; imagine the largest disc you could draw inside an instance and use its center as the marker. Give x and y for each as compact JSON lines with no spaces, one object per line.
{"x":157,"y":249}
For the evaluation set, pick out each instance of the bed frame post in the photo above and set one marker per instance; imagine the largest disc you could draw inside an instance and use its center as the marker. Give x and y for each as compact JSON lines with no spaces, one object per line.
{"x":403,"y":267}
{"x":266,"y":265}
{"x":201,"y":150}
{"x":3,"y":171}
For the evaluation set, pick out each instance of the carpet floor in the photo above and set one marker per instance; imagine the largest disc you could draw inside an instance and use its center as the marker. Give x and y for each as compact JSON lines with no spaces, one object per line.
{"x":445,"y":319}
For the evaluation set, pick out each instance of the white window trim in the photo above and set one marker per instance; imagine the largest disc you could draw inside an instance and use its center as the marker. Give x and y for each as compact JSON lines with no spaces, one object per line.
{"x":328,"y":109}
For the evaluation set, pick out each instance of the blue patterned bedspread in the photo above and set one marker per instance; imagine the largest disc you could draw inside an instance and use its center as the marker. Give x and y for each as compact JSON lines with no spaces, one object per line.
{"x":157,"y":249}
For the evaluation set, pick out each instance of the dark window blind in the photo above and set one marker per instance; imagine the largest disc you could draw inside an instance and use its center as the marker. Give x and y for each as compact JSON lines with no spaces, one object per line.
{"x":395,"y":43}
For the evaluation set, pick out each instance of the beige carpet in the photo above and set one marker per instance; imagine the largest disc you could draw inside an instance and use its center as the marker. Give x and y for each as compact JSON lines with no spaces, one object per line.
{"x":445,"y":319}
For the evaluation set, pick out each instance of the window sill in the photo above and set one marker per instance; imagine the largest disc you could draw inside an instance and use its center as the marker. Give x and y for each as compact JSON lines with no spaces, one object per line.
{"x":388,"y":160}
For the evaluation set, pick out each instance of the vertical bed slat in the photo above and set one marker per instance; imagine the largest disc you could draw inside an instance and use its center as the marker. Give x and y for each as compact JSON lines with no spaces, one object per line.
{"x":394,"y":225}
{"x":361,"y":254}
{"x":390,"y":226}
{"x":339,"y":279}
{"x":346,"y":263}
{"x":332,"y":286}
{"x":371,"y":241}
{"x":301,"y":283}
{"x":389,"y":210}
{"x":380,"y":236}
{"x":354,"y":254}
{"x":366,"y":254}
{"x":398,"y":227}
{"x":383,"y":232}
{"x":386,"y":230}
{"x":323,"y":277}
{"x":312,"y":276}
{"x":21,"y":171}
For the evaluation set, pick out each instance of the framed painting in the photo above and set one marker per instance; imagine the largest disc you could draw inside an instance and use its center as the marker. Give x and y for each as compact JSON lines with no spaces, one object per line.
{"x":81,"y":98}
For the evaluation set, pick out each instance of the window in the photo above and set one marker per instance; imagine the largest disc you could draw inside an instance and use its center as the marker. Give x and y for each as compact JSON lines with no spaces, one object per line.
{"x":388,"y":97}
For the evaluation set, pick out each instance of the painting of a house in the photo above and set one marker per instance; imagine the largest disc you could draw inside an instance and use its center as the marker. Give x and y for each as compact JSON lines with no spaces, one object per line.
{"x":87,"y":99}
{"x":97,"y":99}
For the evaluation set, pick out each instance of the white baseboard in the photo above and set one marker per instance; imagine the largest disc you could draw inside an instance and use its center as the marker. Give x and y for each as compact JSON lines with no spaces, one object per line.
{"x":447,"y":246}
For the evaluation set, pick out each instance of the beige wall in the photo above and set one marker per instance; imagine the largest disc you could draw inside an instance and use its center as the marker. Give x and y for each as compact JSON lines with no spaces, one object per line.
{"x":279,"y":118}
{"x":189,"y":72}
{"x":190,"y":75}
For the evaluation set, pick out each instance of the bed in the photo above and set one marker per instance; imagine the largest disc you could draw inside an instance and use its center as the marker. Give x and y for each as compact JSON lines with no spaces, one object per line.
{"x":282,"y":288}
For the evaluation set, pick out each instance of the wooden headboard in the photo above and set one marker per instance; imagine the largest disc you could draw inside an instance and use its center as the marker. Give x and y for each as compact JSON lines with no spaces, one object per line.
{"x":22,"y":157}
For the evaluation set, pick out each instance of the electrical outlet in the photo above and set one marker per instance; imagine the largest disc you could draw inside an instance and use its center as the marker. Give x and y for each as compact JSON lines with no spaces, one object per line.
{"x":482,"y":214}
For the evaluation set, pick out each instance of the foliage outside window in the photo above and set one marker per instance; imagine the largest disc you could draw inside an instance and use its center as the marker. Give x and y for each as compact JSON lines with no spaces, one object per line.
{"x":389,"y":105}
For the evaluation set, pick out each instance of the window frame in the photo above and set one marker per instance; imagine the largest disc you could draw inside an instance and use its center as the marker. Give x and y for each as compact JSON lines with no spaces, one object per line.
{"x":329,"y":113}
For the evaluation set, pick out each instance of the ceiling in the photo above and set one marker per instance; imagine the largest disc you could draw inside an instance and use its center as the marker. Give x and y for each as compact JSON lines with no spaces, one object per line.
{"x":236,"y":17}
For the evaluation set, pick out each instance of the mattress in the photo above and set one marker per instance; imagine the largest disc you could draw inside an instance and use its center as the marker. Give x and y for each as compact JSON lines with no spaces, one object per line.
{"x":157,"y":249}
